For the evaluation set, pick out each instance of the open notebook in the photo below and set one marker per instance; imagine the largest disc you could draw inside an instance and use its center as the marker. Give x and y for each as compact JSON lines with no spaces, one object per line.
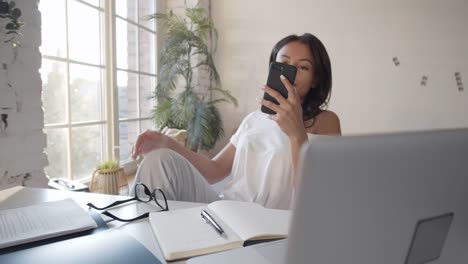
{"x":184,"y":233}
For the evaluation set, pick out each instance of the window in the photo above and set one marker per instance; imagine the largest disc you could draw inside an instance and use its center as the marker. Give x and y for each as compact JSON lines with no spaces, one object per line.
{"x":97,"y":78}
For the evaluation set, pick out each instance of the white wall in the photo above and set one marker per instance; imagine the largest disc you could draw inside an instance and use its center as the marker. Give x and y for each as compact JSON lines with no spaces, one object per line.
{"x":22,"y":148}
{"x":370,"y":94}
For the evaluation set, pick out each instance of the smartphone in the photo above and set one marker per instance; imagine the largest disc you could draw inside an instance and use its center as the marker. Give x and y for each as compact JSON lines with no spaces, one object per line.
{"x":276,"y":70}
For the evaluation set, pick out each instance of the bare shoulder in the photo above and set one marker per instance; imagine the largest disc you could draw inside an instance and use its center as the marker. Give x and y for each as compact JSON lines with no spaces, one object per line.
{"x":326,"y":123}
{"x":329,"y":116}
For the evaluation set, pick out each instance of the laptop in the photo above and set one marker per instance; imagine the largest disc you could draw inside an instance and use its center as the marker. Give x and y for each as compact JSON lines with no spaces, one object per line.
{"x":389,"y":198}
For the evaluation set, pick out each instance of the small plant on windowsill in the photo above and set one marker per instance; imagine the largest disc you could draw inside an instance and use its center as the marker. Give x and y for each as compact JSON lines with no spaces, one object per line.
{"x":109,"y":166}
{"x":109,"y":178}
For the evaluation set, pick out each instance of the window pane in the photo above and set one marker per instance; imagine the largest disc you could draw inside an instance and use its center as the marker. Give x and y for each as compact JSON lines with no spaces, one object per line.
{"x":84,"y":33}
{"x":147,"y":54}
{"x":127,"y":85}
{"x":126,"y":45}
{"x":57,"y":153}
{"x":85,"y":93}
{"x":53,"y":28}
{"x":93,"y":2}
{"x":128,"y":135}
{"x":147,"y":86}
{"x":86,"y":150}
{"x":126,"y":9}
{"x":136,"y":52}
{"x":146,"y":8}
{"x":146,"y":124}
{"x":53,"y":74}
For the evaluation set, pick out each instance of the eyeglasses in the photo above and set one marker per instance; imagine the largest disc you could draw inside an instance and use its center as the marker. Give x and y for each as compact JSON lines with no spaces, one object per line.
{"x":142,"y":194}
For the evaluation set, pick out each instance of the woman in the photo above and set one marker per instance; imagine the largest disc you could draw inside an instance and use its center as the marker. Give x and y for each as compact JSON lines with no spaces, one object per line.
{"x":263,"y":154}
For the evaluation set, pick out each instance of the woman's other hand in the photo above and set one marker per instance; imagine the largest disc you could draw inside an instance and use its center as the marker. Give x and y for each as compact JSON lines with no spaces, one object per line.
{"x":151,"y":140}
{"x":288,"y":113}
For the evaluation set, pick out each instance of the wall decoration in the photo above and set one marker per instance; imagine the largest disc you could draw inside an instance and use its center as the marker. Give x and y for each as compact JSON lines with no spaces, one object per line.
{"x":424,"y":81}
{"x":425,"y":78}
{"x":12,"y":180}
{"x":9,"y":43}
{"x":458,"y":79}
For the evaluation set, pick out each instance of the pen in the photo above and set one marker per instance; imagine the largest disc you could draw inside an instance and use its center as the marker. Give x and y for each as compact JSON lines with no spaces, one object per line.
{"x":205,"y":215}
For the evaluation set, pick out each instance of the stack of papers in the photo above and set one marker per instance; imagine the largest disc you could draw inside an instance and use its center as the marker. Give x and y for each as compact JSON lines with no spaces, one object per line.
{"x":41,"y":221}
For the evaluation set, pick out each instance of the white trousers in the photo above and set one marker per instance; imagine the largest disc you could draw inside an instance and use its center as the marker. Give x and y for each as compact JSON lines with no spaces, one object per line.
{"x":176,"y":176}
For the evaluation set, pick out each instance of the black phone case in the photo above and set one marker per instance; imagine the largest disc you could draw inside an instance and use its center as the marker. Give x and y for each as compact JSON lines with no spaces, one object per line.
{"x":274,"y":81}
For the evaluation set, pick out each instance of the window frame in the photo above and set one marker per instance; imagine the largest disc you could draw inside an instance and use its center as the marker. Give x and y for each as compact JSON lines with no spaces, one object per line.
{"x":109,"y":119}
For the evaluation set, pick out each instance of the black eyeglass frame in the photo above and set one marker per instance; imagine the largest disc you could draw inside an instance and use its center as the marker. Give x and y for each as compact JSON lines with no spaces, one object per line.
{"x":151,"y":197}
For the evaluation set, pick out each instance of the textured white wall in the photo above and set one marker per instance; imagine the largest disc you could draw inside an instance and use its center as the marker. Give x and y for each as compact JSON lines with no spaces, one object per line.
{"x":22,"y":148}
{"x":370,"y":94}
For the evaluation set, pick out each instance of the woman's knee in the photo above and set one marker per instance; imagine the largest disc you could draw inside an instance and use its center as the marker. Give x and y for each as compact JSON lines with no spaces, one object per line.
{"x":158,"y":156}
{"x":162,"y":163}
{"x":157,"y":167}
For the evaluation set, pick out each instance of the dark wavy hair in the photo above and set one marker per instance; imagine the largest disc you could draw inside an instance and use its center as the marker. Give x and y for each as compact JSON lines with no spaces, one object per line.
{"x":317,"y":98}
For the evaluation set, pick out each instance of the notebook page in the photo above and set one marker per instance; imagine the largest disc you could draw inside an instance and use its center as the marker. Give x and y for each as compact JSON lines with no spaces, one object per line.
{"x":184,"y":233}
{"x":45,"y":220}
{"x":251,"y":220}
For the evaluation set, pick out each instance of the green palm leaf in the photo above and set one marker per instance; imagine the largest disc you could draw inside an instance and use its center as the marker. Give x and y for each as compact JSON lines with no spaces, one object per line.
{"x":205,"y":128}
{"x":216,"y":128}
{"x":162,"y":114}
{"x":183,"y":108}
{"x":227,"y":94}
{"x":167,"y":77}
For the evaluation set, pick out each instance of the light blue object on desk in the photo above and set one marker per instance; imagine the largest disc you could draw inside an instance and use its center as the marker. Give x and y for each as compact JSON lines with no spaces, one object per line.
{"x":109,"y":247}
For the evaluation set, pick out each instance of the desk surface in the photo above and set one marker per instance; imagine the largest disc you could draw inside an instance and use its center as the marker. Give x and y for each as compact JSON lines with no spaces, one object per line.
{"x":140,"y":230}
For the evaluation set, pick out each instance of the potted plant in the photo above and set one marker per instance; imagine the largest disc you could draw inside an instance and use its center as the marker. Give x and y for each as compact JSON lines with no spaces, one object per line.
{"x":109,"y":178}
{"x":188,"y":49}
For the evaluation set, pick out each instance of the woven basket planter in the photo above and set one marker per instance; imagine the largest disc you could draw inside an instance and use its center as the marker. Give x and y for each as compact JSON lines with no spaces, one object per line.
{"x":109,"y":181}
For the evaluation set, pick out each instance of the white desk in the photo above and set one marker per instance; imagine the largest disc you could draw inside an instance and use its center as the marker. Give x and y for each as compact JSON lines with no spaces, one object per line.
{"x":140,"y":230}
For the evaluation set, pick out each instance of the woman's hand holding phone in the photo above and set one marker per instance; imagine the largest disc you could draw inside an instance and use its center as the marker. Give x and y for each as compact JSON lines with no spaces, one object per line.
{"x":274,"y":81}
{"x":288,"y":112}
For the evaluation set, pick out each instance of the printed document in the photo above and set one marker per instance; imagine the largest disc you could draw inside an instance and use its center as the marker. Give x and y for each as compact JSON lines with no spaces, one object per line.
{"x":45,"y":220}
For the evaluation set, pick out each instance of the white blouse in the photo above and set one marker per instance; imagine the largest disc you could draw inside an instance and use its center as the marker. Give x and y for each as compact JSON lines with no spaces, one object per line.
{"x":262,"y":171}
